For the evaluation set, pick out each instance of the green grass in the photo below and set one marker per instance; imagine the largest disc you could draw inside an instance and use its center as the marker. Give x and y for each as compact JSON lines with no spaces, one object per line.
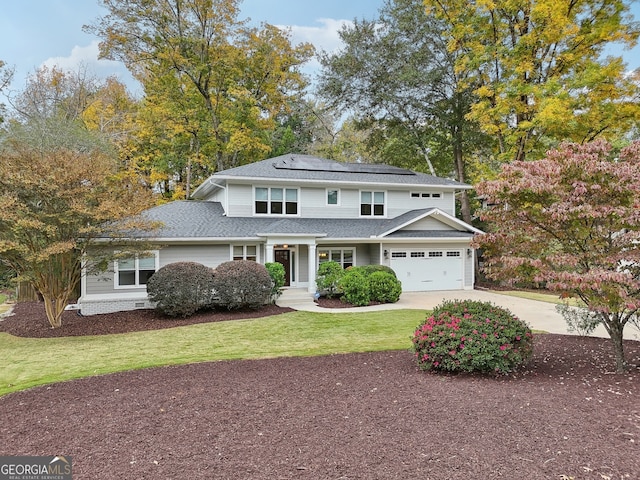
{"x":541,"y":297}
{"x":29,"y":362}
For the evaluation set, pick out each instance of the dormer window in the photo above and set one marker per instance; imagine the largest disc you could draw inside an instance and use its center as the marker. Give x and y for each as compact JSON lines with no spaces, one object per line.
{"x":372,"y":204}
{"x":276,"y":201}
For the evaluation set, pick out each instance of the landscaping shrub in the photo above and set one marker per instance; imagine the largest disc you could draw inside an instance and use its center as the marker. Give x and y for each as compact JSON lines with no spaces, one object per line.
{"x":241,"y":284}
{"x":277,"y":274}
{"x":369,"y":269}
{"x":384,"y":287}
{"x":181,"y":289}
{"x":354,"y":285}
{"x":472,"y":336}
{"x":328,"y":278}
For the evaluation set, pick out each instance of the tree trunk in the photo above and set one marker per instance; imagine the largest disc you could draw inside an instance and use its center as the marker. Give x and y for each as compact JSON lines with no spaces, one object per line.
{"x":54,"y":307}
{"x":465,"y":208}
{"x":615,"y":333}
{"x":425,"y":154}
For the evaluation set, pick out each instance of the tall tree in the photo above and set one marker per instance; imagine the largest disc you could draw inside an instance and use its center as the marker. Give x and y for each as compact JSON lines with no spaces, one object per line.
{"x":60,"y":190}
{"x":538,"y":69}
{"x":398,"y":78}
{"x":233,"y":79}
{"x":53,"y":204}
{"x":571,"y":221}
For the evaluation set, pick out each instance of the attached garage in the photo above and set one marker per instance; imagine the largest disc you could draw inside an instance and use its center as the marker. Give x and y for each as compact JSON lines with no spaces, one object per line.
{"x":422,"y":270}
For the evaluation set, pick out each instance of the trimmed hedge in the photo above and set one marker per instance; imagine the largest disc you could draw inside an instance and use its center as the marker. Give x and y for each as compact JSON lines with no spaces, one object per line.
{"x":370,"y":269}
{"x":355,"y":287}
{"x":359,"y":285}
{"x":384,"y":287}
{"x":241,"y":284}
{"x":180,"y":289}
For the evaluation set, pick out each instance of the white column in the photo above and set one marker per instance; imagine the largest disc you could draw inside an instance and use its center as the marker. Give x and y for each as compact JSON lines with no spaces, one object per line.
{"x":268,"y":252}
{"x":312,"y":268}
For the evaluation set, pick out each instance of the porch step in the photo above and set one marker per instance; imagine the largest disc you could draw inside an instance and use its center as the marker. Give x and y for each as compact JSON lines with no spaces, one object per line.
{"x":295,"y":296}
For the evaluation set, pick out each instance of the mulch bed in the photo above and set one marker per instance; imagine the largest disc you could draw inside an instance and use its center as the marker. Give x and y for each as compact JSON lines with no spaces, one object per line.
{"x":355,"y":416}
{"x":29,"y":320}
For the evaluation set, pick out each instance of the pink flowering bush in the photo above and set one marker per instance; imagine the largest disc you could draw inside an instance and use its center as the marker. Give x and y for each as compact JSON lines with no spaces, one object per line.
{"x":472,"y":336}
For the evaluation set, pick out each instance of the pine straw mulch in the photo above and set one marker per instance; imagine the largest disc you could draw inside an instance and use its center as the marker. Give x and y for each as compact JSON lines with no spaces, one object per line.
{"x":354,"y":416}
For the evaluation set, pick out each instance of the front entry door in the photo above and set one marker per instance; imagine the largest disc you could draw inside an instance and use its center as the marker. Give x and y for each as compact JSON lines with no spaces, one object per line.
{"x":284,"y":257}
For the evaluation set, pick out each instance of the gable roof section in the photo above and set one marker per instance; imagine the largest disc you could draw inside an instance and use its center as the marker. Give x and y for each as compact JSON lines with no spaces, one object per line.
{"x":205,"y":221}
{"x":399,"y":223}
{"x":294,"y":168}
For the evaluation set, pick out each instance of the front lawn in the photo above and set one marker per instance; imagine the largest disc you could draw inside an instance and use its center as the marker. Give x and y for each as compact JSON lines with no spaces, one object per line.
{"x":28,"y":362}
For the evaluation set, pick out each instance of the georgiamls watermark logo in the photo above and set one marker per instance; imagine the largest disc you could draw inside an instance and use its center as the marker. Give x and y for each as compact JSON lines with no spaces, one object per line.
{"x":36,"y":468}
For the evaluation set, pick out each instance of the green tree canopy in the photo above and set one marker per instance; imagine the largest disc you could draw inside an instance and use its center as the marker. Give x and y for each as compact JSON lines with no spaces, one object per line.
{"x":213,"y":85}
{"x":538,"y":69}
{"x":398,"y":79}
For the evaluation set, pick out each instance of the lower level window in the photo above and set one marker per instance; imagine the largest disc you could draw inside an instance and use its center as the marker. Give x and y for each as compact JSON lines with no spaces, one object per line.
{"x":245,"y":252}
{"x":135,"y":271}
{"x":342,"y":256}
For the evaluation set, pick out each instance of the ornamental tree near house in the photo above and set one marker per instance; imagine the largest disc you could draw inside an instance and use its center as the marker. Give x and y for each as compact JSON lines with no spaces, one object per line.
{"x":61,"y":187}
{"x":572,"y":221}
{"x":53,"y":204}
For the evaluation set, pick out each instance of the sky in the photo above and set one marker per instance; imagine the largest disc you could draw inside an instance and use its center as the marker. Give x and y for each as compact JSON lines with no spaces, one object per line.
{"x":34,"y":33}
{"x":49,"y":32}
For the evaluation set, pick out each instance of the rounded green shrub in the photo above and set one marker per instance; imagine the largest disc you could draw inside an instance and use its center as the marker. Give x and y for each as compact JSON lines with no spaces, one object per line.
{"x":180,"y":289}
{"x":369,"y":269}
{"x":472,"y":336}
{"x":278,"y":278}
{"x":354,"y":285}
{"x":241,"y":284}
{"x":328,"y":278}
{"x":384,"y":287}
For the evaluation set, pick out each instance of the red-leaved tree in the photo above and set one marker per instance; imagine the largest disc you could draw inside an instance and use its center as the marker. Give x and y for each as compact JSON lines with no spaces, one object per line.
{"x":572,"y":222}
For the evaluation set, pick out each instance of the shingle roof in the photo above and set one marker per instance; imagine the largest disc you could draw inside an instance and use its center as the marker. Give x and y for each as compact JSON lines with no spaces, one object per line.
{"x":308,"y":167}
{"x":206,"y":220}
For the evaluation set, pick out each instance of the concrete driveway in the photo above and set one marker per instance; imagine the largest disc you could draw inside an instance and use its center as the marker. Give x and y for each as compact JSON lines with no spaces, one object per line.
{"x":538,"y":315}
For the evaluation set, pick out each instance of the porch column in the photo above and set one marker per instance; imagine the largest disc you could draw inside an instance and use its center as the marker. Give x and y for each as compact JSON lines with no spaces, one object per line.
{"x":312,"y":268}
{"x":268,"y":252}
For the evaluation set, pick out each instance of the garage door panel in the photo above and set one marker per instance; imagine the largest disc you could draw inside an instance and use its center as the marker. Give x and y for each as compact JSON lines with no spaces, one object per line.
{"x":428,"y":273}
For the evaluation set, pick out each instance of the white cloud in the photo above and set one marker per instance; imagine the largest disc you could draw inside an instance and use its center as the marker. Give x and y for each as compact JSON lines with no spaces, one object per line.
{"x":86,"y":58}
{"x":325,"y":37}
{"x":82,"y":56}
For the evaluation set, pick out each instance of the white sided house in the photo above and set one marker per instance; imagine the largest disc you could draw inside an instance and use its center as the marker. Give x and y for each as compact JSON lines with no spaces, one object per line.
{"x":300,"y":211}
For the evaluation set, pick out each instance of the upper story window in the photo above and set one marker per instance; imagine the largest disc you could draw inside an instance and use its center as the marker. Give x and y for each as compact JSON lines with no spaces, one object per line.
{"x":333,"y":196}
{"x":245,"y":252}
{"x":135,"y":271}
{"x":276,"y":201}
{"x":425,"y":195}
{"x":372,"y":204}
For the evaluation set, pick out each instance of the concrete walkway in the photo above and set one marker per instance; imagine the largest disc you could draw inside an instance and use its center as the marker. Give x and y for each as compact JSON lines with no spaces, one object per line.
{"x":538,"y":315}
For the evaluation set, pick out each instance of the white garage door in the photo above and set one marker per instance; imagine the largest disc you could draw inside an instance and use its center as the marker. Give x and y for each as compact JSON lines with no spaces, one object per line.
{"x":425,"y":270}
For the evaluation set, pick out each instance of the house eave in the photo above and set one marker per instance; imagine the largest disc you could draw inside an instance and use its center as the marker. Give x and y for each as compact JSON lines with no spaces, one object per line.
{"x":298,"y":181}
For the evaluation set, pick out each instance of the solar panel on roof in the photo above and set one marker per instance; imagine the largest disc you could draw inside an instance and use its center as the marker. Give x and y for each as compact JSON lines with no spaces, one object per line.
{"x":322,"y":165}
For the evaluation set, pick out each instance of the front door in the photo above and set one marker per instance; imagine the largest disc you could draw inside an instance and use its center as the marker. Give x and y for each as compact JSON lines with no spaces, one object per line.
{"x":284,"y":257}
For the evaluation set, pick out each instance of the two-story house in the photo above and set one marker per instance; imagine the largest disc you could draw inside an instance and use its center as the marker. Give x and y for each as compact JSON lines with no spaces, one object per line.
{"x":300,"y":211}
